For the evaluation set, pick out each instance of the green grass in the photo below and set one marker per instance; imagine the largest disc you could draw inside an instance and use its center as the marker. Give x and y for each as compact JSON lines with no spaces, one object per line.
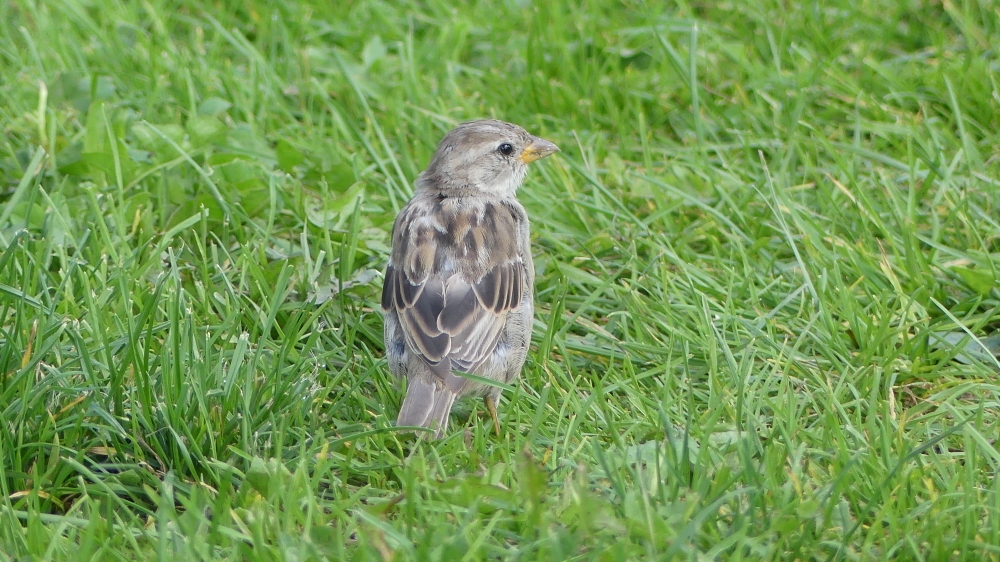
{"x":762,"y":214}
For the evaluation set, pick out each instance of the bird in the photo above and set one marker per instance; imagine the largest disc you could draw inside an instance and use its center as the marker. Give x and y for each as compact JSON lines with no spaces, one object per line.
{"x":458,"y":292}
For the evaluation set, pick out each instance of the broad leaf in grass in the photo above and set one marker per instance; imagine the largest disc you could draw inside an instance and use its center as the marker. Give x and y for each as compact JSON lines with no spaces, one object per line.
{"x":244,"y":139}
{"x":213,"y":106}
{"x":205,"y":130}
{"x":289,"y":155}
{"x":986,"y":350}
{"x":334,"y":213}
{"x":265,"y":476}
{"x":981,"y":281}
{"x":147,"y":138}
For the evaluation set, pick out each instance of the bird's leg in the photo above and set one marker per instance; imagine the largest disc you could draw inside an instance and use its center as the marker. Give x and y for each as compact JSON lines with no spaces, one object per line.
{"x":491,"y":407}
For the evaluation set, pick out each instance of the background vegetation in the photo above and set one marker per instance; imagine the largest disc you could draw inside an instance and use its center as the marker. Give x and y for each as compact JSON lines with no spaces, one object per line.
{"x":767,"y":258}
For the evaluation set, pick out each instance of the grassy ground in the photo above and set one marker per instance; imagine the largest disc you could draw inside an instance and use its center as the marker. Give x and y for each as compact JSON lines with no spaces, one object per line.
{"x":765,"y":216}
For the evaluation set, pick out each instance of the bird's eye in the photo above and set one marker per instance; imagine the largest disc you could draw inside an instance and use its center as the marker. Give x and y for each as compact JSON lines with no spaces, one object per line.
{"x":506,"y":149}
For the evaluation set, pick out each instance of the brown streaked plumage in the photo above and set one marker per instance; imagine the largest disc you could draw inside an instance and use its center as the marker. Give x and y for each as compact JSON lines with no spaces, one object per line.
{"x":458,"y":290}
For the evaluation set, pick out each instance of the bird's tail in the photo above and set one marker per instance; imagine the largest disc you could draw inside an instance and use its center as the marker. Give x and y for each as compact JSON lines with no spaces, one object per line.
{"x":426,"y":405}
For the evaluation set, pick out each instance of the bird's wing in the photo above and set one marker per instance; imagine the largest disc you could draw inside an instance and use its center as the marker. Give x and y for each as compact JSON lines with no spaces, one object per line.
{"x":454,"y":275}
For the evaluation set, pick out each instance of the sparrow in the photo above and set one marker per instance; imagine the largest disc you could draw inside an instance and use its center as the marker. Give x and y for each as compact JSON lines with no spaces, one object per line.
{"x":458,"y":295}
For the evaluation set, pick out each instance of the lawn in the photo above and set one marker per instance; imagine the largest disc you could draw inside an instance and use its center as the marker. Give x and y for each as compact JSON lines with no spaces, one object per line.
{"x":768,"y":280}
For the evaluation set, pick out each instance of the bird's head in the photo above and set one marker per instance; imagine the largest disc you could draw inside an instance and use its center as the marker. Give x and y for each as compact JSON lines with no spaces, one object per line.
{"x":486,"y":156}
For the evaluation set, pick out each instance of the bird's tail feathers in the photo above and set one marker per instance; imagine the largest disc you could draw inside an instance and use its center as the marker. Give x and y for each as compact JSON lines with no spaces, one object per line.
{"x":426,"y":405}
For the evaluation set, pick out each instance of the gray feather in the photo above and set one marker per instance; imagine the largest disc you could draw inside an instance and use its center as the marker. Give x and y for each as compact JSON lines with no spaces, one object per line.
{"x":426,"y":405}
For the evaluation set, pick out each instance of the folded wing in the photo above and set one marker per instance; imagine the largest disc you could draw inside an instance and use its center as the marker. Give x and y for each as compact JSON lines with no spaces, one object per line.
{"x":454,"y":276}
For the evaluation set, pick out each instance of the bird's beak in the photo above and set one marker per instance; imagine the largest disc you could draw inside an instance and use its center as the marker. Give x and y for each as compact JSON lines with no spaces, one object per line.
{"x":539,"y":148}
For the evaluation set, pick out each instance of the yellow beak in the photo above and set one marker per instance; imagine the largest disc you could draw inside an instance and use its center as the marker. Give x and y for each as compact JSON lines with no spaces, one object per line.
{"x":539,"y":148}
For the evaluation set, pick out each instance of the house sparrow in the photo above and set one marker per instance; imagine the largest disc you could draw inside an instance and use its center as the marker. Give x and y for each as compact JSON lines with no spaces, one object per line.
{"x":458,"y":290}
